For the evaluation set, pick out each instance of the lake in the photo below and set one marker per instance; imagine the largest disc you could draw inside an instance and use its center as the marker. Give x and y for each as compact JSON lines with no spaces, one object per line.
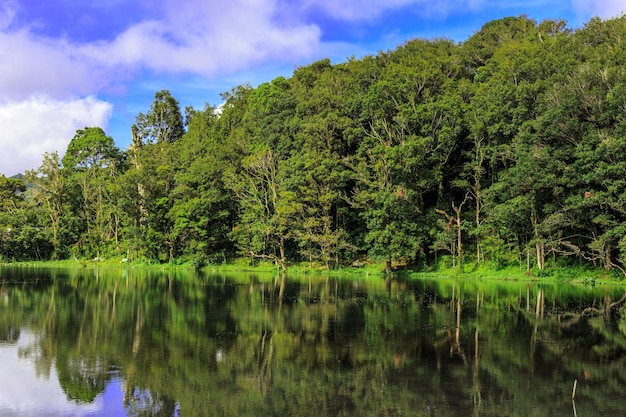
{"x":141,"y":343}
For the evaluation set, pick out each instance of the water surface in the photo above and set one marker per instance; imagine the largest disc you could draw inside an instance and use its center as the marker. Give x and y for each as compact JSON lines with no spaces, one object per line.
{"x":135,"y":343}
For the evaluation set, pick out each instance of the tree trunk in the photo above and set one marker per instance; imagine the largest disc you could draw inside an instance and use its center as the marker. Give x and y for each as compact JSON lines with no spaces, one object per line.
{"x":478,"y":202}
{"x":282,"y":261}
{"x":541,"y":255}
{"x":388,"y":269}
{"x":459,"y":244}
{"x":459,"y":247}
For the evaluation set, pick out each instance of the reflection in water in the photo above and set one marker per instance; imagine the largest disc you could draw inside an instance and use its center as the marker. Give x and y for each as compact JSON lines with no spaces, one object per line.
{"x":27,"y":390}
{"x":129,"y":343}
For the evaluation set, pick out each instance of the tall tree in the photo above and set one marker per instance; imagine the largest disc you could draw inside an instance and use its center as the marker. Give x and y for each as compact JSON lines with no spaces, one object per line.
{"x":508,"y":162}
{"x":162,"y":123}
{"x":412,"y":131}
{"x":50,"y":194}
{"x":91,"y":163}
{"x":327,"y":108}
{"x":203,"y":207}
{"x":153,"y":156}
{"x":268,"y":209}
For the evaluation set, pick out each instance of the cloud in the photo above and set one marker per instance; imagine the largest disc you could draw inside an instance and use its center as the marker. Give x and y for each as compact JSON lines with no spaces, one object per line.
{"x":178,"y":37}
{"x":209,"y":38}
{"x":188,"y":37}
{"x":604,"y":9}
{"x":32,"y":66}
{"x":28,"y":391}
{"x":29,"y":128}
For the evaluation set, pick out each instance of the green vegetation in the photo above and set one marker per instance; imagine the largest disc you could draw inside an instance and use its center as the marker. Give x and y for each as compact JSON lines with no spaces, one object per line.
{"x":507,"y":150}
{"x":263,"y":345}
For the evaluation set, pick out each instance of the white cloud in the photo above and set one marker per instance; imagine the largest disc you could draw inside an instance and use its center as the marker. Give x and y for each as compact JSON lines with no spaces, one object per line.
{"x":33,"y":65}
{"x":604,"y":8}
{"x":208,"y":38}
{"x":31,"y":127}
{"x":184,"y":37}
{"x":191,"y":37}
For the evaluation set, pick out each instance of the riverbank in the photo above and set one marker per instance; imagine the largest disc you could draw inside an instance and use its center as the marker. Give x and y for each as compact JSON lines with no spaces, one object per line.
{"x":582,"y":275}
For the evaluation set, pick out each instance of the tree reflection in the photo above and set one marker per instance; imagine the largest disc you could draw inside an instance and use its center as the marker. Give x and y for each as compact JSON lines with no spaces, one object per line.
{"x":81,"y":380}
{"x":143,"y":403}
{"x":253,"y":345}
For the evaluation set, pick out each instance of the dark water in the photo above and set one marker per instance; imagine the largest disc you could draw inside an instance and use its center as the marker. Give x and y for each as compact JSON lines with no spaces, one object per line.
{"x":128,"y":343}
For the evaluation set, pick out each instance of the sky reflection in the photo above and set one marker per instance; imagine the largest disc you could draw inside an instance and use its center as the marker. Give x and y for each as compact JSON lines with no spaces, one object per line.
{"x":26,"y":392}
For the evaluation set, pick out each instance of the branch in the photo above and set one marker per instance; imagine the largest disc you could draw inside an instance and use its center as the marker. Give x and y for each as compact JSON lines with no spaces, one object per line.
{"x":619,"y":302}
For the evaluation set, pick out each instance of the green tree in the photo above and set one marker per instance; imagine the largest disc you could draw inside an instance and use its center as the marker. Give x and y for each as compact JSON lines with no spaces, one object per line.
{"x":11,"y":216}
{"x":509,"y":171}
{"x":203,"y":207}
{"x":326,"y":110}
{"x":162,"y":123}
{"x":147,"y":185}
{"x":91,"y":163}
{"x":584,"y":121}
{"x":268,"y":209}
{"x":50,"y":194}
{"x":409,"y":137}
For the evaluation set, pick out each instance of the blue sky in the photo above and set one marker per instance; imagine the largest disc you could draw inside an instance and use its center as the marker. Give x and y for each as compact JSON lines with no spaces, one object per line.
{"x":68,"y":64}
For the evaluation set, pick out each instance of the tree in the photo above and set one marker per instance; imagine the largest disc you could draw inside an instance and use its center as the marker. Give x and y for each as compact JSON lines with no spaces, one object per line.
{"x":508,"y":169}
{"x":49,"y":193}
{"x":153,"y":155}
{"x":268,"y":209}
{"x":203,"y":207}
{"x":148,"y":189}
{"x":162,"y":123}
{"x":91,"y":163}
{"x":411,"y":132}
{"x":327,"y":113}
{"x":507,"y":146}
{"x":11,"y":216}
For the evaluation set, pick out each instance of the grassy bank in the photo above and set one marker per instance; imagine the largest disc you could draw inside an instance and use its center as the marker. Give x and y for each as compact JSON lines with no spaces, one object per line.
{"x":576,"y":274}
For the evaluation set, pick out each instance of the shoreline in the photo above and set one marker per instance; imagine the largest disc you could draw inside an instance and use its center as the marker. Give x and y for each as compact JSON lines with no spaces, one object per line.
{"x":471,"y":272}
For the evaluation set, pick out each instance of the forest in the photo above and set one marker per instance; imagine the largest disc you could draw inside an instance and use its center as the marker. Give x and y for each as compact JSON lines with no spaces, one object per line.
{"x":506,"y":149}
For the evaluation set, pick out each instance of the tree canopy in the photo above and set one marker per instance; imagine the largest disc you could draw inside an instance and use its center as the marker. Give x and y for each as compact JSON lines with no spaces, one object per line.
{"x":508,"y":148}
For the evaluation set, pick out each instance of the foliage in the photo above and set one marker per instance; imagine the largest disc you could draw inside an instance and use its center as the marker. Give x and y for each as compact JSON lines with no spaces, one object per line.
{"x":169,"y":343}
{"x":507,"y":150}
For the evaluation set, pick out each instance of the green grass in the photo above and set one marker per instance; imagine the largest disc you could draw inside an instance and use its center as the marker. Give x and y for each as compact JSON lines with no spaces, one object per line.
{"x":568,"y":273}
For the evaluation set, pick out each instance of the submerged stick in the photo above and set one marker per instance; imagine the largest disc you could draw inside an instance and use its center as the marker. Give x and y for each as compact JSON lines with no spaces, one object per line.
{"x":574,"y":390}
